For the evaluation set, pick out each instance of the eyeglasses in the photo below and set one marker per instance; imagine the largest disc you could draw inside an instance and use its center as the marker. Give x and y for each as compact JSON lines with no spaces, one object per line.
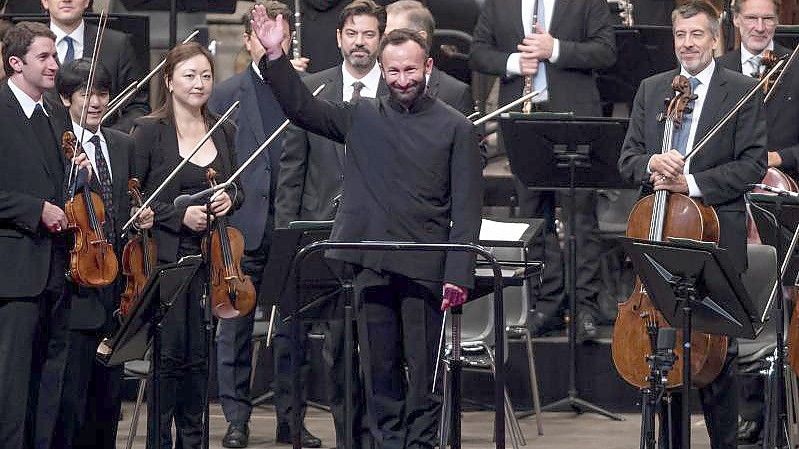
{"x":768,"y":21}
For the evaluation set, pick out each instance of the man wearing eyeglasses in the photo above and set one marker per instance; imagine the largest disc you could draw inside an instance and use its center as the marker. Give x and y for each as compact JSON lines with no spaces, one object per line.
{"x":757,"y":20}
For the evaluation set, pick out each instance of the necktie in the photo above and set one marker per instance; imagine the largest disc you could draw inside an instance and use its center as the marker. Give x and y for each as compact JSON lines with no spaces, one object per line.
{"x":540,"y":79}
{"x":681,"y":140}
{"x":104,"y":176}
{"x":356,"y":91}
{"x":754,"y":63}
{"x":70,"y":56}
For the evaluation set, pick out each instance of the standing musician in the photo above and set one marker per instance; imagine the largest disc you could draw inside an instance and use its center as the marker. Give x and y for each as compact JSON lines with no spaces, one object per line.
{"x":258,"y":116}
{"x":719,"y":174}
{"x":412,"y":174}
{"x":91,"y":403}
{"x":33,"y":301}
{"x":757,"y":21}
{"x":75,"y":39}
{"x":162,"y":140}
{"x":559,"y":55}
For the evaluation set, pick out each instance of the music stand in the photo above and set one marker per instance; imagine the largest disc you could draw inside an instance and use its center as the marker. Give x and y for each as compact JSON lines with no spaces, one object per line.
{"x":563,"y":152}
{"x":696,"y":287}
{"x":143,"y":327}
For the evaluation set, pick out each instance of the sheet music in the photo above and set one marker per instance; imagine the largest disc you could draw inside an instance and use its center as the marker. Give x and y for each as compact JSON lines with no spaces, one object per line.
{"x":502,"y":231}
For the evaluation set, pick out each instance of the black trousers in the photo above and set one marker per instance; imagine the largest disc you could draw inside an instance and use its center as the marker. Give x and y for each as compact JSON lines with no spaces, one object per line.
{"x":719,"y":405}
{"x":91,"y":401}
{"x":553,"y":289}
{"x":33,"y":353}
{"x":399,"y":320}
{"x":183,"y":379}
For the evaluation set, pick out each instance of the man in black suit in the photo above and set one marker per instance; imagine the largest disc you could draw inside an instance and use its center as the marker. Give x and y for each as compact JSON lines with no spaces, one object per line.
{"x":571,"y":40}
{"x":757,"y":21}
{"x":413,"y":15}
{"x":258,"y":116}
{"x":33,"y":302}
{"x":719,"y":174}
{"x":91,"y":402}
{"x":75,"y":39}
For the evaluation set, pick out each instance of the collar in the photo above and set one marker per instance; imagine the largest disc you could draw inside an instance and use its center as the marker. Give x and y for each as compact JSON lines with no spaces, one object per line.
{"x":746,"y":56}
{"x":422,"y":103}
{"x":703,"y":76}
{"x":76,"y":34}
{"x":28,"y":104}
{"x":87,"y":135}
{"x":371,"y":80}
{"x":256,"y":70}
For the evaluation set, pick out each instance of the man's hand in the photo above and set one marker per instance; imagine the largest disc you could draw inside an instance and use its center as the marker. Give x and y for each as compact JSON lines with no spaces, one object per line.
{"x":670,"y":164}
{"x":146,"y":218}
{"x":300,"y":64}
{"x":83,"y":162}
{"x":528,"y":65}
{"x":774,"y":159}
{"x":539,"y":45}
{"x":53,"y":218}
{"x":221,"y":205}
{"x":195,"y":218}
{"x":269,"y":31}
{"x":675,"y":185}
{"x":453,"y":296}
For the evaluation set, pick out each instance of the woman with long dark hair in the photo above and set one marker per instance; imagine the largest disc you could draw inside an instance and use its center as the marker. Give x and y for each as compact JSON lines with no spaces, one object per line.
{"x":164,"y":139}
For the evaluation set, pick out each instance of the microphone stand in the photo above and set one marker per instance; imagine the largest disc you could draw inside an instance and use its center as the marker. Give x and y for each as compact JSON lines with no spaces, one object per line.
{"x":180,"y":166}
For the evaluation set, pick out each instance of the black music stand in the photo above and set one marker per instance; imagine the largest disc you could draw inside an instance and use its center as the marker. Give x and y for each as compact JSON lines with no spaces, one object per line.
{"x":696,"y":287}
{"x":143,"y":327}
{"x":563,"y":152}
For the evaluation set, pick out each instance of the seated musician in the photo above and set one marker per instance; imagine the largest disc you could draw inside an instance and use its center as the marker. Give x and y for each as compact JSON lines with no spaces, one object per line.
{"x":719,"y":175}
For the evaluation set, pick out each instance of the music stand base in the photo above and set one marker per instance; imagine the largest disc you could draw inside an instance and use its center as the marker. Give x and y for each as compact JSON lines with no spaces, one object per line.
{"x":579,"y":406}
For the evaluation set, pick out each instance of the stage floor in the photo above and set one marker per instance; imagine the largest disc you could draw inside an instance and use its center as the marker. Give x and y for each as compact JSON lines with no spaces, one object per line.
{"x":561,"y":430}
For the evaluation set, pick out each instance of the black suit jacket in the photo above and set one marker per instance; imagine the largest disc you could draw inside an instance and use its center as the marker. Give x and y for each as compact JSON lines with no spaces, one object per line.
{"x":311,"y":166}
{"x":155,"y":156}
{"x":782,"y":111}
{"x":30,"y":175}
{"x":93,"y":308}
{"x":731,"y":161}
{"x":587,"y":43}
{"x":117,"y":56}
{"x":253,"y":216}
{"x":417,"y":182}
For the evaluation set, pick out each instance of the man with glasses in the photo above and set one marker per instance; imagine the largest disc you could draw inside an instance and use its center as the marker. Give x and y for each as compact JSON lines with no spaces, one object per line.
{"x":757,"y":20}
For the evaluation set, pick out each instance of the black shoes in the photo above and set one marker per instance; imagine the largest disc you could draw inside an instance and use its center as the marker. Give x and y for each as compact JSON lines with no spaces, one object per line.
{"x":748,"y":431}
{"x":237,"y":436}
{"x":586,"y":327}
{"x":283,"y":436}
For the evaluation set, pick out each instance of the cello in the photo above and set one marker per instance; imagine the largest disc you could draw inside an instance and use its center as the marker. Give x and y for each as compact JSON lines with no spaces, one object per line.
{"x":232,"y":292}
{"x":656,"y":217}
{"x":138,"y":257}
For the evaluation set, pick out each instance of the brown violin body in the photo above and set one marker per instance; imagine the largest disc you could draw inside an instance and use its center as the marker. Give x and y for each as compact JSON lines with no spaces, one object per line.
{"x":686,"y":218}
{"x":232,"y":292}
{"x":138,"y":258}
{"x":92,"y":262}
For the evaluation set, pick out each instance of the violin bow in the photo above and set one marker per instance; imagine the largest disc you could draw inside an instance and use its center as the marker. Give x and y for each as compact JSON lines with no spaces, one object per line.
{"x":782,"y":74}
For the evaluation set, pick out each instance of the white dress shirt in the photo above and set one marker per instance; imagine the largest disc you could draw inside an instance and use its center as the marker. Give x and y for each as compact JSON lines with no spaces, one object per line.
{"x":370,"y":83}
{"x":748,"y":66}
{"x":89,"y":148}
{"x":27,"y":103}
{"x":77,"y":40}
{"x":701,"y":92}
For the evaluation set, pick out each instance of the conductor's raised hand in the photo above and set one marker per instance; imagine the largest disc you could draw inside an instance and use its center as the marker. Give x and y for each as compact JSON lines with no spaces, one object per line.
{"x":269,"y":31}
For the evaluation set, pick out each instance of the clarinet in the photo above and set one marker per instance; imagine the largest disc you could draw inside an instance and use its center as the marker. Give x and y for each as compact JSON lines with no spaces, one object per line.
{"x":527,"y":106}
{"x":296,"y":36}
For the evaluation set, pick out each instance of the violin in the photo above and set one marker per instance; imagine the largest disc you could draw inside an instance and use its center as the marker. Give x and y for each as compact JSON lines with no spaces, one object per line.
{"x":232,"y":292}
{"x":92,"y":262}
{"x":138,"y":257}
{"x":657,"y":217}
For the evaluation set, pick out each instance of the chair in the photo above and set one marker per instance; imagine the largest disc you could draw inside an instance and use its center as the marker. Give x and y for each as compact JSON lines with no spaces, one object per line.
{"x":137,"y":370}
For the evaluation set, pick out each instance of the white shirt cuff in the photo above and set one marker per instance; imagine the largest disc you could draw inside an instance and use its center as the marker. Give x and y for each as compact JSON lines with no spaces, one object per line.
{"x":555,"y":51}
{"x":693,"y":188}
{"x":649,"y":170}
{"x":513,"y":67}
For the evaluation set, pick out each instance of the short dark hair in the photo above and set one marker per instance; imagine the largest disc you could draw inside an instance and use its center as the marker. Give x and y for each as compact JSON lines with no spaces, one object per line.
{"x":74,"y":76}
{"x":18,"y":39}
{"x":736,"y":6}
{"x":363,"y":8}
{"x":694,"y":7}
{"x":419,"y":17}
{"x":273,"y":9}
{"x":399,"y":37}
